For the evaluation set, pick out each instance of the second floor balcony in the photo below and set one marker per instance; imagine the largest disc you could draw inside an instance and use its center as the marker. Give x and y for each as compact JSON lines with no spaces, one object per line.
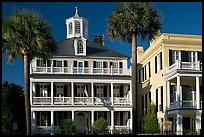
{"x":80,"y":70}
{"x":80,"y":101}
{"x":185,"y":66}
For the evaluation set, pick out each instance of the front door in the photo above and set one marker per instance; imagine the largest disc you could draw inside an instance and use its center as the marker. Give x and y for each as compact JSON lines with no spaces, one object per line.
{"x":80,"y":123}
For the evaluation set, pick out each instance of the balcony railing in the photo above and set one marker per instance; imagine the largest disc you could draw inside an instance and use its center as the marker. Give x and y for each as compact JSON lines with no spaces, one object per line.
{"x":184,"y":104}
{"x":184,"y":66}
{"x":81,"y":101}
{"x":80,"y":70}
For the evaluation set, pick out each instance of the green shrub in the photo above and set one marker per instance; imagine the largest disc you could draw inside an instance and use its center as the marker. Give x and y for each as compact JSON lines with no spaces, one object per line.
{"x":67,"y":127}
{"x":100,"y":126}
{"x":150,"y":121}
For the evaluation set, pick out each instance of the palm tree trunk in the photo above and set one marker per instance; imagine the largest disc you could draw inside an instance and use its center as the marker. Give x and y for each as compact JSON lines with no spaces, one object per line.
{"x":134,"y":83}
{"x":27,"y":94}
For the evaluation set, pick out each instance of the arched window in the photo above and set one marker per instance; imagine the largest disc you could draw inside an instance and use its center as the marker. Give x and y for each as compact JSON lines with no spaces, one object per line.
{"x":70,"y":28}
{"x":77,"y":27}
{"x":80,"y":46}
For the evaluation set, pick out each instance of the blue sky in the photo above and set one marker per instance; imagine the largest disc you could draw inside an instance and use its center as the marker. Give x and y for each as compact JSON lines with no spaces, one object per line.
{"x":177,"y":17}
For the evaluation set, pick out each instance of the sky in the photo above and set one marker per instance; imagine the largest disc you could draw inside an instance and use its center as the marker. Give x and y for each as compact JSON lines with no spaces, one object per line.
{"x":176,"y":17}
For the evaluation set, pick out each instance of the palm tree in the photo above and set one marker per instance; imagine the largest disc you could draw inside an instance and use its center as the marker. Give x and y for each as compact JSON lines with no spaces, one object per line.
{"x":25,"y":34}
{"x":128,"y":21}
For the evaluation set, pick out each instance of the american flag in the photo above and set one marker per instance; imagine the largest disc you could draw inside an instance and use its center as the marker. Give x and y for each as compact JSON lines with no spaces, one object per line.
{"x":85,"y":91}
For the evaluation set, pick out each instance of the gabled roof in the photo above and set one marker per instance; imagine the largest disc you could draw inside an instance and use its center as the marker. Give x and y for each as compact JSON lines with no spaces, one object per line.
{"x":66,"y":48}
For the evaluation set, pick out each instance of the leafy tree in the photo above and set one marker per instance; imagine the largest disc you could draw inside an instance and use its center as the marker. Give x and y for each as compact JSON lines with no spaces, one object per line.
{"x":13,"y":108}
{"x":25,"y":34}
{"x":100,"y":126}
{"x":150,"y":122}
{"x":129,"y":21}
{"x":67,"y":127}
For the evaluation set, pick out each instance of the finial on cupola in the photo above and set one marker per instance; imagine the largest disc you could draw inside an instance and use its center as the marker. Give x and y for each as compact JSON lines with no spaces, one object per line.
{"x":76,"y":12}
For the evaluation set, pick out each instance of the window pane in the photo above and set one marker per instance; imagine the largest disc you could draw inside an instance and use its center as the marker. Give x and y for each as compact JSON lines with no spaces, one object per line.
{"x":80,"y":46}
{"x":70,"y":28}
{"x":77,"y":27}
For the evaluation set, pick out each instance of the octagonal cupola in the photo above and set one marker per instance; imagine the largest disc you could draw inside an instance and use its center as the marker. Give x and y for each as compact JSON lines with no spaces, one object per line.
{"x":77,"y":26}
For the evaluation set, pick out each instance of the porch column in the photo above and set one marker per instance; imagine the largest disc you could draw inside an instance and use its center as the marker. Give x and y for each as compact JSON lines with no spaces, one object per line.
{"x":31,"y":92}
{"x":112,"y":93}
{"x":131,"y":119}
{"x":73,"y":115}
{"x":198,"y":122}
{"x":52,"y":122}
{"x":112,"y":122}
{"x":179,"y":123}
{"x":168,"y":94}
{"x":92,"y":118}
{"x":72,"y":90}
{"x":52,"y":94}
{"x":92,"y":93}
{"x":197,"y":93}
{"x":178,"y":92}
{"x":33,"y":122}
{"x":130,"y":93}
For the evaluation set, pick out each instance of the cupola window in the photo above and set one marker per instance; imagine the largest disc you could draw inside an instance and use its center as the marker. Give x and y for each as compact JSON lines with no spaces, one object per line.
{"x":70,"y":28}
{"x":80,"y":46}
{"x":77,"y":27}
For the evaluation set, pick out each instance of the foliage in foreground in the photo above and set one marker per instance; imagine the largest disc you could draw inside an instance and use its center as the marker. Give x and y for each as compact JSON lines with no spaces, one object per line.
{"x":67,"y":127}
{"x":150,"y":122}
{"x":100,"y":126}
{"x":13,"y":109}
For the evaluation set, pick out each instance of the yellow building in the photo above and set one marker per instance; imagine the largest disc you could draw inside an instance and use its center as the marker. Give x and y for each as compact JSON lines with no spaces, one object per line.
{"x":170,"y":75}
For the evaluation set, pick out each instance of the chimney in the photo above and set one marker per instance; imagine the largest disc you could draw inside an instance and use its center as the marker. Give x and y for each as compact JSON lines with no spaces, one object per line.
{"x":99,"y":39}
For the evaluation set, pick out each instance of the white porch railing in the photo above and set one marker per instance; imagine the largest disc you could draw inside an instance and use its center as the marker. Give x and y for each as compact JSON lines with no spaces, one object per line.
{"x":42,"y":101}
{"x":79,"y":70}
{"x":184,"y":66}
{"x":62,"y":100}
{"x":183,"y":104}
{"x":121,"y":101}
{"x":81,"y":101}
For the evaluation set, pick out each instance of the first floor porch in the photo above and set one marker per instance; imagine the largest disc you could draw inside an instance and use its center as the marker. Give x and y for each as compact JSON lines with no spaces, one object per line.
{"x":48,"y":122}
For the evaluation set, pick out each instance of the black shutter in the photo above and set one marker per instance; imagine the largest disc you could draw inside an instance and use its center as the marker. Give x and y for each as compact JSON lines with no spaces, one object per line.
{"x":54,"y":63}
{"x":49,"y":90}
{"x":37,"y":90}
{"x":156,"y":64}
{"x":170,"y":57}
{"x":95,"y":116}
{"x":161,"y":61}
{"x":156,"y":100}
{"x":94,"y":64}
{"x":109,"y":90}
{"x":65,"y":63}
{"x":105,"y":64}
{"x":37,"y":117}
{"x":105,"y":90}
{"x":120,"y":64}
{"x":121,"y":118}
{"x":139,"y":76}
{"x":75,"y":63}
{"x":200,"y":56}
{"x":129,"y":114}
{"x":75,"y":90}
{"x":65,"y":90}
{"x":94,"y":90}
{"x":161,"y":98}
{"x":171,"y":94}
{"x":86,"y":64}
{"x":54,"y":90}
{"x":149,"y":70}
{"x":121,"y":90}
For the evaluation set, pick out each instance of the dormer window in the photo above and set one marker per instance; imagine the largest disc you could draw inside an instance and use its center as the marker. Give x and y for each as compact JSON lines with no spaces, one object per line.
{"x":80,"y":47}
{"x":70,"y":28}
{"x":77,"y":27}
